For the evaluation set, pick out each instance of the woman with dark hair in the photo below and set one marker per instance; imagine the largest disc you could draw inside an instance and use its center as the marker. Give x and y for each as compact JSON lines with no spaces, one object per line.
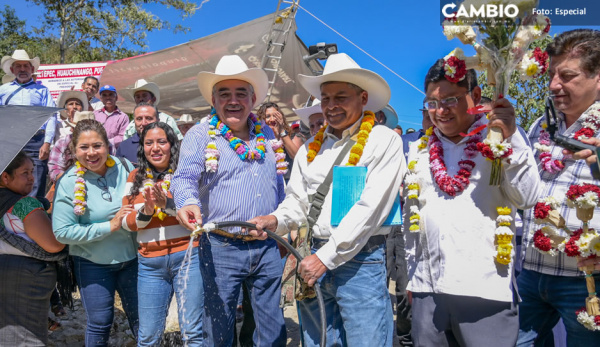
{"x":162,"y":242}
{"x":28,"y":250}
{"x":271,"y":114}
{"x":87,"y":215}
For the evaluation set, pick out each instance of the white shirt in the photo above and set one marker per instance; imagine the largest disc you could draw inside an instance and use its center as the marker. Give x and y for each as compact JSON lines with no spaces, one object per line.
{"x":96,"y":103}
{"x":386,"y":166}
{"x":460,"y":231}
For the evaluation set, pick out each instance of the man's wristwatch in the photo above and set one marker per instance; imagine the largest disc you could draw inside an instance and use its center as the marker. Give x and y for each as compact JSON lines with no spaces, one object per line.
{"x":283,"y":134}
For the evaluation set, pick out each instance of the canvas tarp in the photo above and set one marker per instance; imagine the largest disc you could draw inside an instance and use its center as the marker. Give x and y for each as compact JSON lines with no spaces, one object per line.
{"x":175,"y":69}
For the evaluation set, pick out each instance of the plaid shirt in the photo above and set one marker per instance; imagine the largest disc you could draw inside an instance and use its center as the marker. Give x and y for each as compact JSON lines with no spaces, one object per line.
{"x":575,"y":172}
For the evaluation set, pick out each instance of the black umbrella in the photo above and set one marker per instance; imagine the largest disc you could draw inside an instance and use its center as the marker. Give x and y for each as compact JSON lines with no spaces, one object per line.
{"x":18,"y":124}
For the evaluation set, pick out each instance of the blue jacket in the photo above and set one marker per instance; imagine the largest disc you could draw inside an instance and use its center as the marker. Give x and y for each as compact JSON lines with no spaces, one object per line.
{"x":89,"y":235}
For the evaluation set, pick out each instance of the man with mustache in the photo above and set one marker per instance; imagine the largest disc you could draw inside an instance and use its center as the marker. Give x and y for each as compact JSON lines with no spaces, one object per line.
{"x":23,"y":90}
{"x":552,"y":287}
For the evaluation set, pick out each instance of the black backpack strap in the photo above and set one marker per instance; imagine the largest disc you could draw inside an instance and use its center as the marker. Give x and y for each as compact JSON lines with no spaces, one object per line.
{"x":318,"y":198}
{"x":124,"y":163}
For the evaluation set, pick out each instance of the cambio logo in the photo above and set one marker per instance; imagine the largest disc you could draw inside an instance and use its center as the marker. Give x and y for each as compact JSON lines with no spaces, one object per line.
{"x":483,"y":11}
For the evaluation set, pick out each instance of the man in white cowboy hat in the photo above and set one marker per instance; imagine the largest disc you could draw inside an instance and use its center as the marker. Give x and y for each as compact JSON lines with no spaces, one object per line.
{"x":387,"y":116}
{"x":348,"y":259}
{"x":215,"y":182}
{"x":312,"y":116}
{"x":185,"y":123}
{"x":148,"y":92}
{"x":72,"y":101}
{"x":23,"y":90}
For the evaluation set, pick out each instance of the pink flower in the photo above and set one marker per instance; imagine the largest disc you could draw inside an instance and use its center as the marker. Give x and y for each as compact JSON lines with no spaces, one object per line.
{"x":240,"y":150}
{"x":79,"y":210}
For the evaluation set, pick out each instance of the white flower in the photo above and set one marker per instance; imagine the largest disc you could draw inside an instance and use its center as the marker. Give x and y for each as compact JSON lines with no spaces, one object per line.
{"x":552,"y":201}
{"x":503,"y":231}
{"x":587,"y":200}
{"x":594,"y":246}
{"x":549,"y":230}
{"x":411,"y":178}
{"x":529,"y":68}
{"x":504,"y":219}
{"x":587,"y":321}
{"x":542,"y":148}
{"x":585,"y":241}
{"x":414,"y":209}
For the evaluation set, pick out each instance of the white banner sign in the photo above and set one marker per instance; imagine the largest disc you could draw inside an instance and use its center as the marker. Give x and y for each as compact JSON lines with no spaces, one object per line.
{"x":59,"y":78}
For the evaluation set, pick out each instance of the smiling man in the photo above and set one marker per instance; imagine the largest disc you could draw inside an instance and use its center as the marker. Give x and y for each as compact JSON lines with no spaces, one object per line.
{"x":461,"y":281}
{"x":348,"y":259}
{"x":90,"y":86}
{"x":227,"y":172}
{"x":552,"y":287}
{"x":143,"y":114}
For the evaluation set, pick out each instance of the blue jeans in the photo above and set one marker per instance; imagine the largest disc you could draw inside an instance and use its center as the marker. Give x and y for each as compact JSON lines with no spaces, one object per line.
{"x":97,"y":284}
{"x":548,"y":298}
{"x":158,"y":279}
{"x":357,"y":304}
{"x":226,"y":263}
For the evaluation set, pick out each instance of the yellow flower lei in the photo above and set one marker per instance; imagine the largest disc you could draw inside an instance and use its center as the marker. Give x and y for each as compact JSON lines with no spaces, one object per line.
{"x":165,"y":184}
{"x":356,"y":151}
{"x":504,"y":236}
{"x":79,"y":203}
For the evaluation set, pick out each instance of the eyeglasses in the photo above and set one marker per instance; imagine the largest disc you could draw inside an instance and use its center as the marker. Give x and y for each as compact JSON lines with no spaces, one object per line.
{"x":433,"y":105}
{"x":104,"y":186}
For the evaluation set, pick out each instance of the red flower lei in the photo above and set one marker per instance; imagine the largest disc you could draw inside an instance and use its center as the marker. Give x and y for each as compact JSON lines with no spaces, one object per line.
{"x":454,"y":63}
{"x":577,"y":190}
{"x":452,"y":185}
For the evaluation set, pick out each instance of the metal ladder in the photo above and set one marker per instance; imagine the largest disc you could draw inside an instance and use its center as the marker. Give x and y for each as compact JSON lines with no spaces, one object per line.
{"x":280,"y":29}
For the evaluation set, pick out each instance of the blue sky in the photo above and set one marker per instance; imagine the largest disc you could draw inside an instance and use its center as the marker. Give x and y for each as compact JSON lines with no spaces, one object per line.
{"x":405,"y":35}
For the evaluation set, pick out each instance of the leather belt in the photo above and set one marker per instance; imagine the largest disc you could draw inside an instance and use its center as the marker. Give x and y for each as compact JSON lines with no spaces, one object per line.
{"x":373,"y":243}
{"x":237,"y":237}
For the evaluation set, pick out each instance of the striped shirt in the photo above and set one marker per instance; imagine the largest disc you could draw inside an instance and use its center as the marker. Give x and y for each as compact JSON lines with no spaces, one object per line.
{"x":575,"y":172}
{"x":238,"y":191}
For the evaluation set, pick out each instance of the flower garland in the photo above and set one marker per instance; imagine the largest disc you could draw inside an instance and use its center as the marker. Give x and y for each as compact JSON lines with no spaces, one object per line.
{"x":315,"y":146}
{"x":368,"y":121}
{"x":504,"y":236}
{"x":282,"y":165}
{"x":165,"y":184}
{"x":452,"y":185}
{"x":590,"y":126}
{"x":591,"y":322}
{"x":79,"y":201}
{"x":216,"y":127}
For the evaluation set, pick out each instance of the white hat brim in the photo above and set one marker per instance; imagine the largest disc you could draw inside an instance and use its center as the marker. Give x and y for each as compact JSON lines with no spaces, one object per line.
{"x":255,"y":76}
{"x":149,"y":87}
{"x":7,"y":62}
{"x":73,"y":94}
{"x":305,"y":113}
{"x":391,"y":118}
{"x":377,"y":88}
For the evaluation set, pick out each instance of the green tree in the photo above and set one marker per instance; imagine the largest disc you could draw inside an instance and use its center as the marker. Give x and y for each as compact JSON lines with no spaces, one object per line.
{"x":107,"y":28}
{"x":528,"y":97}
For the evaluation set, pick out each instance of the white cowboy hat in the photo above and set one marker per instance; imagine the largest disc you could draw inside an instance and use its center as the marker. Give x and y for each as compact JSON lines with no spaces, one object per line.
{"x":147,"y":86}
{"x":232,"y":67}
{"x":78,"y":116}
{"x":305,"y":112}
{"x":8,"y":78}
{"x":341,"y":68}
{"x":185,"y":119}
{"x":18,"y":55}
{"x":391,"y":117}
{"x":73,"y":94}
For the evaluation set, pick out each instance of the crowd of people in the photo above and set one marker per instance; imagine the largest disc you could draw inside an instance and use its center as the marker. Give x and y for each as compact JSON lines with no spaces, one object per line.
{"x":129,"y":196}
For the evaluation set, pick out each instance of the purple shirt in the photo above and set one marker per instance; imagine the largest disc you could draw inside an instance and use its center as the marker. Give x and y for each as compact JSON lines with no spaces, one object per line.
{"x":115,"y":124}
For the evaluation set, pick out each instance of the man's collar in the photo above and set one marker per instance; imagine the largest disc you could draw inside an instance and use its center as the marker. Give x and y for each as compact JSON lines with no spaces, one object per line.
{"x":113,"y":111}
{"x":351,"y":130}
{"x":16,"y":81}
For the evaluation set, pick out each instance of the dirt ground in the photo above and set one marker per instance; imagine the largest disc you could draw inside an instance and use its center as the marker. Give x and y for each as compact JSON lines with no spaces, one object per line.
{"x":72,"y":332}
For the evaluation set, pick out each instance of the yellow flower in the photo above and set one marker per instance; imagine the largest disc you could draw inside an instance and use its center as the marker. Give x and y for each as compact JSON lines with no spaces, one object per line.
{"x":413,"y":196}
{"x":353,"y":159}
{"x":429,"y":131}
{"x":357,"y":149}
{"x":504,"y":224}
{"x":413,"y":186}
{"x":110,"y":162}
{"x":411,"y":165}
{"x":503,"y":210}
{"x":504,"y":239}
{"x":414,"y":228}
{"x":366,"y":127}
{"x":532,"y":69}
{"x":544,"y":125}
